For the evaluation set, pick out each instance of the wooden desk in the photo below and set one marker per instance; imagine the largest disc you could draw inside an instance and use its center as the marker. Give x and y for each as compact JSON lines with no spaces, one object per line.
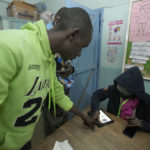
{"x":109,"y":137}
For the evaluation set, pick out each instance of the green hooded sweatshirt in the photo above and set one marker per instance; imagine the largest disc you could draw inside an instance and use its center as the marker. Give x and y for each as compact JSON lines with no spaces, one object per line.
{"x":27,"y":74}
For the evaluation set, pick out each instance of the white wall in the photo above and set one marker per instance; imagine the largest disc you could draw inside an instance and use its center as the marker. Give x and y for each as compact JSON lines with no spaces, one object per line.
{"x":54,"y":5}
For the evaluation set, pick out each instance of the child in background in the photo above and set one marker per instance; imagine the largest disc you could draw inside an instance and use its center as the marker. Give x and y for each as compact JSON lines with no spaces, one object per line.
{"x":127,"y":99}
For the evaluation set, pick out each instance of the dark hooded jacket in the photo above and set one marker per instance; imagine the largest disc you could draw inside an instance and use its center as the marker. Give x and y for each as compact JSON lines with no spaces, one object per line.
{"x":132,"y":80}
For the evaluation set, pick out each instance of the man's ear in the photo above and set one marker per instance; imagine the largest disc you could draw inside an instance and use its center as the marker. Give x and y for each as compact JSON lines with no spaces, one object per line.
{"x":73,"y":33}
{"x":56,"y":19}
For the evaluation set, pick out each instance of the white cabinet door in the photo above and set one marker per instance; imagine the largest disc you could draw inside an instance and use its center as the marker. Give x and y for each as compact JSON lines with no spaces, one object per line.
{"x":11,"y":23}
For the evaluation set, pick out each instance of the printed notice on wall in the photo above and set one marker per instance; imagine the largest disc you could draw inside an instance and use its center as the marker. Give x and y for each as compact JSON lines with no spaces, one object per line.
{"x":138,"y":44}
{"x":140,"y":22}
{"x":115,"y":32}
{"x":138,"y":54}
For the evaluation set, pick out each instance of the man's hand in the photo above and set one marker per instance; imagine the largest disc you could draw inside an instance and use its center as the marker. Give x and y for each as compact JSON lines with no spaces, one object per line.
{"x":134,"y":121}
{"x":88,"y":122}
{"x":65,"y":73}
{"x":95,"y":116}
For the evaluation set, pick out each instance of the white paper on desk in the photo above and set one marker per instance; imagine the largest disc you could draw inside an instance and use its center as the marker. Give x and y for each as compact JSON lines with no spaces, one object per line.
{"x":62,"y":145}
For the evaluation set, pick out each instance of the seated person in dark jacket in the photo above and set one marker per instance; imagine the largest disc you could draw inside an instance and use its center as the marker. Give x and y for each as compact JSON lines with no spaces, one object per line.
{"x":127,"y":99}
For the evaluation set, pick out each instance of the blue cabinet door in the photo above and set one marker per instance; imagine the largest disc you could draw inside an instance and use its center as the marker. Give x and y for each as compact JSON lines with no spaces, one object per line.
{"x":87,"y":65}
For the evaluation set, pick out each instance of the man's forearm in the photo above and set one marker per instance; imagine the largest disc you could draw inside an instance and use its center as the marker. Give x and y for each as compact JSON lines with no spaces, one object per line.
{"x":87,"y":120}
{"x":76,"y":111}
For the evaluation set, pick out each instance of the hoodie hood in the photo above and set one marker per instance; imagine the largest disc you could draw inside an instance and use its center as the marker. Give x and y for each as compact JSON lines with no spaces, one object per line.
{"x":132,"y":80}
{"x":40,"y":30}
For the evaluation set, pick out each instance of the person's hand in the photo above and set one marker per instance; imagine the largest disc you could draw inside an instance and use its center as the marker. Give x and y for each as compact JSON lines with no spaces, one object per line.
{"x":65,"y":73}
{"x":69,"y":70}
{"x":96,"y":117}
{"x":62,"y":74}
{"x":134,"y":121}
{"x":88,"y":122}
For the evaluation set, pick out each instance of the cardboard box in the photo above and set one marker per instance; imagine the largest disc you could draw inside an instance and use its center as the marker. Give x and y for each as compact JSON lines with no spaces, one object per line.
{"x":21,"y":9}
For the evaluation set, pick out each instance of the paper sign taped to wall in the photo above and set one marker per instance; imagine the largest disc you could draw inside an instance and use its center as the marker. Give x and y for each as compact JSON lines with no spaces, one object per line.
{"x":140,"y":21}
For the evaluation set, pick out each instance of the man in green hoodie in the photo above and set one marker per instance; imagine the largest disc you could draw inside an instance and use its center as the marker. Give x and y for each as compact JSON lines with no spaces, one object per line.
{"x":28,"y":72}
